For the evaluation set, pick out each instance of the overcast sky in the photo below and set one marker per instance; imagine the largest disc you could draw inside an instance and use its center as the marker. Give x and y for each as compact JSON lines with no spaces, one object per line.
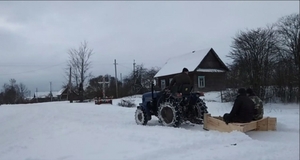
{"x":35,"y":36}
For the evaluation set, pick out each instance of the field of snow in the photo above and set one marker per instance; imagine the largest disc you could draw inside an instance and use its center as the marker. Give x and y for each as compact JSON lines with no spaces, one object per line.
{"x":85,"y":131}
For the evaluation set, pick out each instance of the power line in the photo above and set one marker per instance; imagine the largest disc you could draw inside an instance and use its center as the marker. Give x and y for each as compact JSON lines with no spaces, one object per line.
{"x":101,"y":62}
{"x":125,"y":66}
{"x":25,"y":65}
{"x":96,"y":64}
{"x":32,"y":70}
{"x":21,"y":65}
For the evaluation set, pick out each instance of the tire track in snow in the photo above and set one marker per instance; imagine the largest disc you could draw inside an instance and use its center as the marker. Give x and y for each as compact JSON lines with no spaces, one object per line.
{"x":206,"y":142}
{"x":220,"y":147}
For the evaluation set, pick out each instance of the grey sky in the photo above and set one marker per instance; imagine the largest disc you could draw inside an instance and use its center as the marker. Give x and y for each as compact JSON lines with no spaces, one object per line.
{"x":35,"y":36}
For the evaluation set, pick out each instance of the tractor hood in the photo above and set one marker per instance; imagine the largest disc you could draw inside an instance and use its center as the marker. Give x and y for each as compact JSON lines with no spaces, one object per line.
{"x":148,"y":97}
{"x":149,"y":94}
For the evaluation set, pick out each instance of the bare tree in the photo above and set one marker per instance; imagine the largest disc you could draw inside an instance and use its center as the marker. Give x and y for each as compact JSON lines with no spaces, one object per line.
{"x":80,"y":64}
{"x":23,"y":91}
{"x":288,"y":30}
{"x":1,"y":97}
{"x":147,"y":75}
{"x":254,"y":54}
{"x":10,"y":92}
{"x":14,"y":93}
{"x":139,"y":81}
{"x":235,"y":78}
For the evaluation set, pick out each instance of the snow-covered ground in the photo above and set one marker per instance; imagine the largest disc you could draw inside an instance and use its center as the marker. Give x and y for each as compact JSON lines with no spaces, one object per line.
{"x":85,"y":131}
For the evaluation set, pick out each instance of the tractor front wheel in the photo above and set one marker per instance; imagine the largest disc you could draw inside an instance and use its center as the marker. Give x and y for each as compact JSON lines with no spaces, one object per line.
{"x":169,"y":115}
{"x":141,"y":116}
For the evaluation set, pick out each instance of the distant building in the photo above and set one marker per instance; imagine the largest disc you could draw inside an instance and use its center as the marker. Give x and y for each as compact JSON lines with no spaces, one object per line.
{"x":50,"y":96}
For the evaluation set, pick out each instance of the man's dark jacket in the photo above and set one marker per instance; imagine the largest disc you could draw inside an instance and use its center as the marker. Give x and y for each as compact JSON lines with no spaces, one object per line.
{"x":242,"y":110}
{"x":180,"y":79}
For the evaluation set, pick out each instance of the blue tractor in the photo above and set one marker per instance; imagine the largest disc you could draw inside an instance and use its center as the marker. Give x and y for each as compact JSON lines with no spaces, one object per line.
{"x":171,"y":106}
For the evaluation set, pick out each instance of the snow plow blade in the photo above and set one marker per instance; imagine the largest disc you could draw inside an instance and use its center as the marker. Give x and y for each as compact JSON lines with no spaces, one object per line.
{"x":217,"y":123}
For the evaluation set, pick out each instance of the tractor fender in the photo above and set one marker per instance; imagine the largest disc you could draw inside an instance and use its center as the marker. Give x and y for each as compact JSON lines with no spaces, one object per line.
{"x":141,"y":106}
{"x":145,"y":108}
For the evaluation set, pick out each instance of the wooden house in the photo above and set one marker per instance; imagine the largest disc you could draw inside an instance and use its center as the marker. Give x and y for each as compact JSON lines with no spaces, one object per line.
{"x":63,"y":94}
{"x":206,"y":69}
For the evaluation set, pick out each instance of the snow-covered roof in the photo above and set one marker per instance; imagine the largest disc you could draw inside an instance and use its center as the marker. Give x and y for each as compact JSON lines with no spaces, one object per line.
{"x":61,"y":91}
{"x":189,"y":60}
{"x":41,"y":94}
{"x":209,"y":70}
{"x":45,"y":94}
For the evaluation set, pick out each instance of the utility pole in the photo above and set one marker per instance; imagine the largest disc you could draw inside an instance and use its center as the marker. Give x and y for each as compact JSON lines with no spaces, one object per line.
{"x":69,"y":85}
{"x":116,"y":78}
{"x":36,"y":95}
{"x":109,"y":80}
{"x":134,"y":75}
{"x":121,"y":79}
{"x":134,"y":68}
{"x":51,"y":91}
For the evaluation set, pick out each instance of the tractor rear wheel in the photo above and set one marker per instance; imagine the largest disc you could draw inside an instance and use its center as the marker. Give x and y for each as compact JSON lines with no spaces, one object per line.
{"x":201,"y":109}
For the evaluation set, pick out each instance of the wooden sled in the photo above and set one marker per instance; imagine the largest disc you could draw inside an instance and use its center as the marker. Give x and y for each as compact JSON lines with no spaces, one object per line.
{"x":217,"y":123}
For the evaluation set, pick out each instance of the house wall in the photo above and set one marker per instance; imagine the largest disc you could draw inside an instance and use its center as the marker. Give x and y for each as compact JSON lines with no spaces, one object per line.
{"x":213,"y":81}
{"x":167,"y":80}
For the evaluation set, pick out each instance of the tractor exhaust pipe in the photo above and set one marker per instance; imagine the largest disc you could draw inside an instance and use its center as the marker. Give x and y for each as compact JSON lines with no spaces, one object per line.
{"x":152,"y":89}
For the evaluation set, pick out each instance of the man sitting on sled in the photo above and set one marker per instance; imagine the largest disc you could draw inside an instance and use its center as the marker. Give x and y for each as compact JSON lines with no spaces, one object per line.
{"x":259,"y":107}
{"x":242,"y":110}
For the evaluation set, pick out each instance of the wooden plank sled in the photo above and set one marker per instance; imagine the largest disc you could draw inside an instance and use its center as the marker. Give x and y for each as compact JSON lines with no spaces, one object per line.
{"x":217,"y":123}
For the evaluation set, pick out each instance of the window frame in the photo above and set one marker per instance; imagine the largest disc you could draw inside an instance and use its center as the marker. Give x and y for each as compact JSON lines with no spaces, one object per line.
{"x":170,"y":79}
{"x":199,"y":80}
{"x":161,"y":83}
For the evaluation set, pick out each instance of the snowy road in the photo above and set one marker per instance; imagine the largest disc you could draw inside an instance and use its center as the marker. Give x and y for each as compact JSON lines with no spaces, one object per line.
{"x":65,"y":131}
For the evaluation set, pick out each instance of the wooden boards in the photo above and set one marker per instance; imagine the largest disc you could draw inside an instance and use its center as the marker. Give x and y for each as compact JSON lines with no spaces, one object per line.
{"x":217,"y":123}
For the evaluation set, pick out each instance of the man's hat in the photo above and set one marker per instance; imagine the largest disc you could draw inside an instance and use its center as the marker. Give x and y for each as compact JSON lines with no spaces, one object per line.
{"x":185,"y":70}
{"x":249,"y":91}
{"x":242,"y":91}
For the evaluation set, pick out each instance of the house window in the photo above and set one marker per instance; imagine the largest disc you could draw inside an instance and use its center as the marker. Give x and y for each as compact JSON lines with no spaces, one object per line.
{"x":170,"y":80}
{"x":201,"y":81}
{"x":163,"y":84}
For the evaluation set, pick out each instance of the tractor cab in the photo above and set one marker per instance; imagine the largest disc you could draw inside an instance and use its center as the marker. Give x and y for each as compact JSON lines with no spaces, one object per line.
{"x":150,"y":100}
